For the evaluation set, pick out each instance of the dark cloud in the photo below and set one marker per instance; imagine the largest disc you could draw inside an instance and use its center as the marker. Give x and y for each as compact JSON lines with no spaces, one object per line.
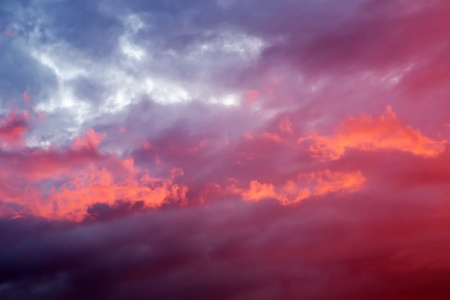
{"x":105,"y":212}
{"x":343,"y":249}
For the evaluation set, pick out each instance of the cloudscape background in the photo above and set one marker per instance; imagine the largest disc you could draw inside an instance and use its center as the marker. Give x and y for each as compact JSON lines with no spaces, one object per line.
{"x":224,"y":149}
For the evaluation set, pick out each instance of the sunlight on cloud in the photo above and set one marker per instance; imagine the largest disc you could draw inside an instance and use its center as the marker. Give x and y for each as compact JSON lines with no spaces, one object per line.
{"x":308,"y":185}
{"x":87,"y":176}
{"x":370,"y":133}
{"x":224,"y":149}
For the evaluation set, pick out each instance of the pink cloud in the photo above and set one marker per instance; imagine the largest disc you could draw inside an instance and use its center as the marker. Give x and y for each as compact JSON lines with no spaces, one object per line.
{"x":90,"y":140}
{"x":26,"y":97}
{"x":86,"y":176}
{"x":13,"y":127}
{"x":307,"y":185}
{"x":369,"y":133}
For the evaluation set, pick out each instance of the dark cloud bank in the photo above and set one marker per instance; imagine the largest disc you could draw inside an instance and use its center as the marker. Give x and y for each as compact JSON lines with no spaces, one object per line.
{"x":326,"y":249}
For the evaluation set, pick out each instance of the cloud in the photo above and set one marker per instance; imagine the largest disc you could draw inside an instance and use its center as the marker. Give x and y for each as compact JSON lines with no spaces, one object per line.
{"x":339,"y":248}
{"x":89,"y":141}
{"x":62,"y":182}
{"x":308,"y":185}
{"x":368,"y":134}
{"x":173,"y":150}
{"x":12,"y":129}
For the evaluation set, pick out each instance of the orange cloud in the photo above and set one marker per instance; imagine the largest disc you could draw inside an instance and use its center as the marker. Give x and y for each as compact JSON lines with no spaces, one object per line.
{"x":93,"y":185}
{"x":100,"y":185}
{"x":85,"y":176}
{"x":308,"y":185}
{"x":374,"y":133}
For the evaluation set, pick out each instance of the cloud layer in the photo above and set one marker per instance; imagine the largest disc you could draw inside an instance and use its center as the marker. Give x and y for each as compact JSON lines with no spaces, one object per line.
{"x":224,"y":149}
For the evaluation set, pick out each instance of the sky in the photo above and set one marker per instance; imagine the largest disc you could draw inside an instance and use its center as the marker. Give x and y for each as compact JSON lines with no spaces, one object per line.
{"x":224,"y":149}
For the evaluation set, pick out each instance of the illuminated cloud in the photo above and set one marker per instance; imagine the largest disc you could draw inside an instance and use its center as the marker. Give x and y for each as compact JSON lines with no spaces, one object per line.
{"x":185,"y":149}
{"x":308,"y":185}
{"x":89,"y":141}
{"x":368,"y":133}
{"x":76,"y":196}
{"x":82,"y":176}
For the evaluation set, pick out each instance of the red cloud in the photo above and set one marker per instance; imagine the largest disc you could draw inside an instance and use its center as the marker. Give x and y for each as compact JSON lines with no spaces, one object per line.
{"x":369,"y":133}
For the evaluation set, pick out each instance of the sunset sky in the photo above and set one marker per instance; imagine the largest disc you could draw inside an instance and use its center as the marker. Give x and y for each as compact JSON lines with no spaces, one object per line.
{"x":224,"y":149}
